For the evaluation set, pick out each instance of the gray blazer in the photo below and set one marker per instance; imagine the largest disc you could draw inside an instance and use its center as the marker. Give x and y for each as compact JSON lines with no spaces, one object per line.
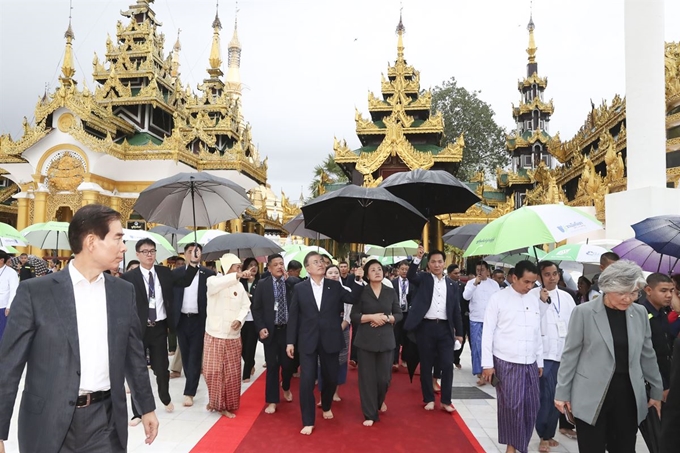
{"x":376,"y":339}
{"x":42,"y":333}
{"x":587,"y":364}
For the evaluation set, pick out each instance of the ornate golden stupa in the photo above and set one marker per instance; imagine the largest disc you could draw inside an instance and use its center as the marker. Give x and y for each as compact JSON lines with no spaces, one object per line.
{"x":140,"y":124}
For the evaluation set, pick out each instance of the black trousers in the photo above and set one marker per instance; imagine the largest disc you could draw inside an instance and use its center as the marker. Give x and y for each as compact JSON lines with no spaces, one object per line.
{"x":466,"y":333}
{"x":156,"y":341}
{"x":400,"y":338}
{"x":190,"y":336}
{"x":248,"y":344}
{"x":435,"y":346}
{"x":92,"y":430}
{"x":172,"y":342}
{"x":278,"y":364}
{"x":616,"y":427}
{"x":352,"y":350}
{"x":308,"y":370}
{"x":375,"y":374}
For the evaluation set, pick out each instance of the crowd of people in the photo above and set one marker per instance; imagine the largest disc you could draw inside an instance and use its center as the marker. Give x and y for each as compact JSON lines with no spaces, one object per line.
{"x":590,"y":357}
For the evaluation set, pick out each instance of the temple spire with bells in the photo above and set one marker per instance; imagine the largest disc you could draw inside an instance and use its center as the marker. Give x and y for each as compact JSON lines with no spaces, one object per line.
{"x":215,"y":59}
{"x":531,"y":50}
{"x":234,"y":62}
{"x":400,"y":41}
{"x":174,"y":71}
{"x":67,"y":69}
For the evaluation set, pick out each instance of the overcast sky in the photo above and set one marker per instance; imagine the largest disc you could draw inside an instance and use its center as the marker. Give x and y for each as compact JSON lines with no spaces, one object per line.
{"x":306,"y":64}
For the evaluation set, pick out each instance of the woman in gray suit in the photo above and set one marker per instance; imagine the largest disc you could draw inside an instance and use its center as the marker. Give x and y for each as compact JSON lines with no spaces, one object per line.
{"x":376,"y":312}
{"x":607,"y":358}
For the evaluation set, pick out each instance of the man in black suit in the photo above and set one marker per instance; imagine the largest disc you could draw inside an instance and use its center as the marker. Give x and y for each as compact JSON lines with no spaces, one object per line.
{"x":153,"y":292}
{"x":436,"y":319}
{"x":189,"y":313}
{"x":271,"y":304}
{"x":314,"y":328}
{"x":76,"y":333}
{"x":670,"y":412}
{"x":405,"y":292}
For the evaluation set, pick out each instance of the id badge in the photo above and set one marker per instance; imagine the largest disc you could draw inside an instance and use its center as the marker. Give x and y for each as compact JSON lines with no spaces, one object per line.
{"x":152,"y":302}
{"x":561,"y":328}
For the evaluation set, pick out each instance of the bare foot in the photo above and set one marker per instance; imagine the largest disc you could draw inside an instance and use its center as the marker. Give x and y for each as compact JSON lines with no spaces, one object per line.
{"x":252,"y":371}
{"x":328,"y":415}
{"x":553,"y":443}
{"x":175,"y":374}
{"x":188,"y":401}
{"x":318,"y":404}
{"x":307,"y":430}
{"x":368,"y":422}
{"x":296,"y":374}
{"x":481,"y":382}
{"x":544,"y":446}
{"x":245,"y":381}
{"x":288,"y":395}
{"x":403,"y":364}
{"x":270,"y":409}
{"x":228,"y":414}
{"x":395,"y":367}
{"x":383,"y":408}
{"x":135,"y":421}
{"x":264,"y":365}
{"x":170,"y":407}
{"x":448,"y":408}
{"x":570,"y":433}
{"x":336,"y":397}
{"x":209,"y":408}
{"x":459,"y":366}
{"x":429,"y":406}
{"x":171,"y":353}
{"x":436,"y":386}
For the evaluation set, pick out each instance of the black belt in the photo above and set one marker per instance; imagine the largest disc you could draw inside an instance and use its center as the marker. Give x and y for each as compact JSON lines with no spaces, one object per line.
{"x":189,"y":315}
{"x":280,"y":326}
{"x":89,"y":398}
{"x":155,"y":323}
{"x":435,"y":320}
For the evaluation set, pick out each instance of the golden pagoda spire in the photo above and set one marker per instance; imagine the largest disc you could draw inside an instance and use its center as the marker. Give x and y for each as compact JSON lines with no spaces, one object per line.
{"x":174,"y":69}
{"x":68,"y":69}
{"x":400,"y":42}
{"x":215,"y":59}
{"x":234,"y":62}
{"x":531,"y":50}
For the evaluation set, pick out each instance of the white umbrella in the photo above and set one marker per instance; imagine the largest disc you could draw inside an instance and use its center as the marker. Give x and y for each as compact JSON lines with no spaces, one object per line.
{"x":164,"y":249}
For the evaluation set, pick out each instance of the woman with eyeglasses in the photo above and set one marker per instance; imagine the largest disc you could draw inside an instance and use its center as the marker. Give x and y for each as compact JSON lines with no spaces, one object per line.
{"x":607,"y":358}
{"x":248,"y":331}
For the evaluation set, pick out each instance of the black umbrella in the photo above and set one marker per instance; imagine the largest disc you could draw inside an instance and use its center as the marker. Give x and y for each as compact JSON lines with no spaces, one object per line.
{"x":410,"y":354}
{"x":296,"y":227}
{"x":461,"y":237}
{"x":171,"y":234}
{"x":363,"y":215}
{"x":662,"y":233}
{"x":38,"y":264}
{"x":198,"y":199}
{"x":243,"y":245}
{"x":650,"y":428}
{"x":432,"y":192}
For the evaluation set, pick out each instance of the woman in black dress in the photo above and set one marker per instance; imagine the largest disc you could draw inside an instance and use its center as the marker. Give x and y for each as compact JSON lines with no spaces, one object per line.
{"x":248,"y":332}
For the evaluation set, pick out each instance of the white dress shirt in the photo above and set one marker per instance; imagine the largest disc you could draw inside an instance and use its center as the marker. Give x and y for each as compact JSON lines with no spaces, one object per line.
{"x":438,"y":306}
{"x":249,"y":316}
{"x":9,"y":281}
{"x":93,"y":331}
{"x":190,"y":300}
{"x":318,"y":292}
{"x":554,"y":314}
{"x":158,"y":291}
{"x":479,"y":296}
{"x":512,"y":329}
{"x":228,"y":301}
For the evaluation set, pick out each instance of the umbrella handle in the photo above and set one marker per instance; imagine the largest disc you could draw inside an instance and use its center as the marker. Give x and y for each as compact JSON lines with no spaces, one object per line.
{"x":193,"y":213}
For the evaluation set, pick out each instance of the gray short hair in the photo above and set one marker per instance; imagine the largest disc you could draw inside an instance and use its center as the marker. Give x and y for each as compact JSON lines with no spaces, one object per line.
{"x":623,"y":276}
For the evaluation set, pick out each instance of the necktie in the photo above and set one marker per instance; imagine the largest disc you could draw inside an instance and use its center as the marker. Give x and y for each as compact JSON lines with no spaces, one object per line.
{"x":281,"y":307}
{"x":403,"y":293}
{"x":152,"y":295}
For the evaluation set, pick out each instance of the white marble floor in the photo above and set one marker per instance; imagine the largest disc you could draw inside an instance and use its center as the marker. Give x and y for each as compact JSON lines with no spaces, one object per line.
{"x":181,"y":430}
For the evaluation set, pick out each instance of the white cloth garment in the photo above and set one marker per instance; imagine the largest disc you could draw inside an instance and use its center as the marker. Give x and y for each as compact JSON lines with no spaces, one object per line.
{"x":227,"y":302}
{"x":438,"y":306}
{"x":479,"y":297}
{"x":552,"y":315}
{"x":190,"y":300}
{"x":9,"y":282}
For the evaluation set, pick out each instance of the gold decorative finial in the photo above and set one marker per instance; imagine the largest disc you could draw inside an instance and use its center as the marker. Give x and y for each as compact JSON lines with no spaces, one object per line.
{"x":68,"y":69}
{"x":400,"y":31}
{"x":234,"y":39}
{"x":215,"y":54}
{"x":174,"y":69}
{"x":531,"y":50}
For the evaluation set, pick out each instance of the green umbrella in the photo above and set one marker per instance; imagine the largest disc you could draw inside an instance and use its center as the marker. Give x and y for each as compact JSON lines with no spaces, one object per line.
{"x":203,"y":237}
{"x":531,"y":225}
{"x":48,"y":235}
{"x":581,"y":253}
{"x":515,"y":257}
{"x":300,"y":257}
{"x":10,"y":236}
{"x":402,"y":248}
{"x":9,"y":249}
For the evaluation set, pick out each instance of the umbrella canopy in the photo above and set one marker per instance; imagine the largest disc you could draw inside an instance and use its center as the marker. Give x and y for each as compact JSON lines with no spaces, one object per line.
{"x":10,"y":236}
{"x":164,"y":249}
{"x":431,"y":192}
{"x":201,"y":236}
{"x":296,"y":227}
{"x":531,"y":225}
{"x":243,"y":245}
{"x":387,"y":260}
{"x":38,"y":264}
{"x":299,"y":256}
{"x":515,"y":256}
{"x":581,"y":253}
{"x":646,"y":257}
{"x":48,"y":235}
{"x":198,"y":199}
{"x":363,"y":215}
{"x":402,"y":248}
{"x":171,"y":234}
{"x":9,"y":249}
{"x":662,"y":233}
{"x":461,"y":237}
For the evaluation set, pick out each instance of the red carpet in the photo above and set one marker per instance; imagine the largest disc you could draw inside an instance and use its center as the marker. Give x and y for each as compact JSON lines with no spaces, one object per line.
{"x":406,"y":427}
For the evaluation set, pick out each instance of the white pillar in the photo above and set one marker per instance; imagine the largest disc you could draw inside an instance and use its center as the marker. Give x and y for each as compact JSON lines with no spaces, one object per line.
{"x":645,"y":93}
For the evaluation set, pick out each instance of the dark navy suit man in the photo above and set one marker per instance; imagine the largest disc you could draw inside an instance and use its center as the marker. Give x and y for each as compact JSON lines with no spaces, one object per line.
{"x":436,"y":319}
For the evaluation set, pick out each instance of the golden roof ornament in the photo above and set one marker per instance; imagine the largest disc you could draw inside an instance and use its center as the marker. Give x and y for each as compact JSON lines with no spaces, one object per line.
{"x":215,"y":59}
{"x":531,"y":50}
{"x":68,"y":69}
{"x":174,"y":72}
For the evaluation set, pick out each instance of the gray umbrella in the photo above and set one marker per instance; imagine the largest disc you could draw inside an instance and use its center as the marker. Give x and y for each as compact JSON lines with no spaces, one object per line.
{"x":243,"y":245}
{"x":296,"y":227}
{"x":461,"y":237}
{"x":198,"y":199}
{"x":171,"y":234}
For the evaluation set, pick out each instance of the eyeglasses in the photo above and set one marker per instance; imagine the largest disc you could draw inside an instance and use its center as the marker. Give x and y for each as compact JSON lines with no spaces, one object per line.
{"x":633,"y":295}
{"x":147,"y":252}
{"x":317,"y":263}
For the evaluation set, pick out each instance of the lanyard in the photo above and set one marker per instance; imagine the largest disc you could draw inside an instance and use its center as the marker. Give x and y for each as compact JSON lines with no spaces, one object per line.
{"x":558,"y":306}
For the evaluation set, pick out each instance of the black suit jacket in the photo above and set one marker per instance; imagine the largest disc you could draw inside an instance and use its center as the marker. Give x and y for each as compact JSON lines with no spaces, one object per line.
{"x":42,"y":335}
{"x":183,"y":276}
{"x":262,"y":308}
{"x":308,"y":326}
{"x":141,"y":292}
{"x":423,"y":300}
{"x":412,"y":289}
{"x":670,"y":419}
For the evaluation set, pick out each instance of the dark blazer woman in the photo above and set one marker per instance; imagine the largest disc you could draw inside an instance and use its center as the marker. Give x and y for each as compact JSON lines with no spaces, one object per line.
{"x":375,"y":347}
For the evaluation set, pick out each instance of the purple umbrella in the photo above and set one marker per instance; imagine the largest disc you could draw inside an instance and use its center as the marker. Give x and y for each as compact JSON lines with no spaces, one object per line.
{"x":645,"y":257}
{"x":662,"y":233}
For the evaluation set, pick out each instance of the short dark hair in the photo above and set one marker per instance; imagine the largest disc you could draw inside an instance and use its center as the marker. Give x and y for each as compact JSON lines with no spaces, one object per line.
{"x":676,"y":280}
{"x":546,"y":264}
{"x":523,"y":267}
{"x":273,"y":256}
{"x":177,"y":258}
{"x":294,"y":265}
{"x":130,"y":264}
{"x":436,"y":252}
{"x":482,"y":263}
{"x":656,"y":278}
{"x":144,"y":241}
{"x":193,"y":244}
{"x":90,"y":219}
{"x":451,"y":268}
{"x":310,"y":255}
{"x":608,"y":257}
{"x":55,"y":261}
{"x":4,"y":256}
{"x":585,"y":280}
{"x":511,"y":271}
{"x":331,"y":267}
{"x":343,"y":262}
{"x":325,"y":256}
{"x":370,"y":263}
{"x":402,"y":263}
{"x":498,"y":271}
{"x":247,"y":262}
{"x":26,"y":254}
